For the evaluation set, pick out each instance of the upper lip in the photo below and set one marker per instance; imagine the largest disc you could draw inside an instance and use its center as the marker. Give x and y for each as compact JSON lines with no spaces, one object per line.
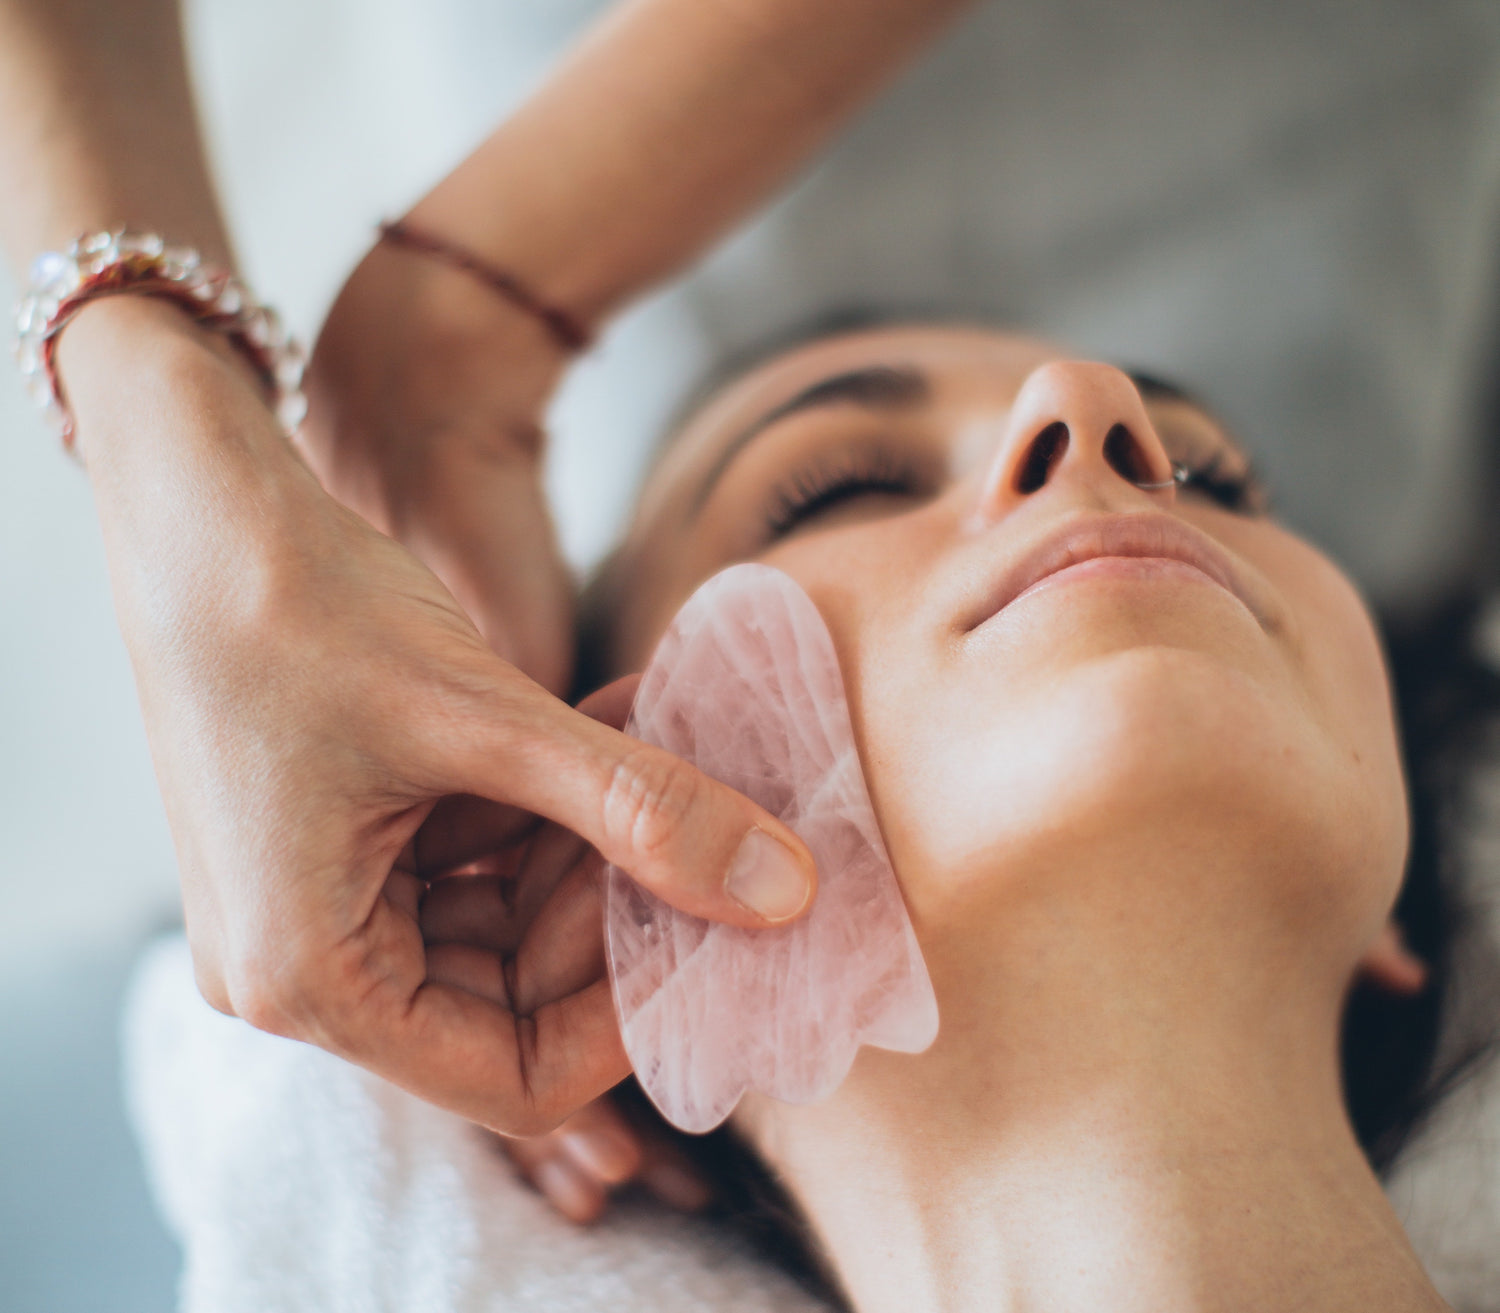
{"x":1116,"y":535}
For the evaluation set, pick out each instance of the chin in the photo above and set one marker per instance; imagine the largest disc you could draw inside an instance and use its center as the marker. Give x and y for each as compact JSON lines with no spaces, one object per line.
{"x":1126,"y":757}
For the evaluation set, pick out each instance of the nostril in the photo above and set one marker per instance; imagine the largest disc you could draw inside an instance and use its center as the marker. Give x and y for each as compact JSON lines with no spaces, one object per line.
{"x":1124,"y":456}
{"x":1047,"y":449}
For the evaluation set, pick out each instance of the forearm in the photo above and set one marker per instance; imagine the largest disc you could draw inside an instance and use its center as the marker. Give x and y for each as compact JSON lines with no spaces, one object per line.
{"x":98,"y":127}
{"x":98,"y":130}
{"x":666,"y":126}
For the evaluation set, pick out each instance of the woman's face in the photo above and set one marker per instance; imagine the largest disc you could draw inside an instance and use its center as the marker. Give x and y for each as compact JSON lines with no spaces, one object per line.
{"x":1200,"y":680}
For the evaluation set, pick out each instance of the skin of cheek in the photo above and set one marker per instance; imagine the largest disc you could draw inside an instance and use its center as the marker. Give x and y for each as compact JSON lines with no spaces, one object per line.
{"x":1125,"y":725}
{"x":1341,"y":671}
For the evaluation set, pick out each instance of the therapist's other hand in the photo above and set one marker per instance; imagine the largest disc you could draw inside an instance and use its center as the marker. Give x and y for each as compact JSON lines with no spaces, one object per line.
{"x":427,"y":393}
{"x":310,"y":692}
{"x":601,"y":1149}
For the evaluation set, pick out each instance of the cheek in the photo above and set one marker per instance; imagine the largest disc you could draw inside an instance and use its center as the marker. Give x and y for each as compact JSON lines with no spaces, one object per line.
{"x":1338,"y":663}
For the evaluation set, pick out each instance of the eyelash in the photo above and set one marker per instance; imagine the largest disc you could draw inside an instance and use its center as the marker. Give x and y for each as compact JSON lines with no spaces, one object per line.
{"x":815,"y":489}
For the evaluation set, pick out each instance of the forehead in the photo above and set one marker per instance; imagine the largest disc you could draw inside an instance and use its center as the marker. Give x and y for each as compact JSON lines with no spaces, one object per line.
{"x":959,"y":361}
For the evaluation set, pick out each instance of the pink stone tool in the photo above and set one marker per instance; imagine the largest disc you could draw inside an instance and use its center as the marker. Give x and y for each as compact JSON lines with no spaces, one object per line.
{"x":745,"y":685}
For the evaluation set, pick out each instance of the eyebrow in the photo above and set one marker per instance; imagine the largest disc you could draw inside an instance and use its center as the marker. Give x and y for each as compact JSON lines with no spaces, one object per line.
{"x":876,"y":387}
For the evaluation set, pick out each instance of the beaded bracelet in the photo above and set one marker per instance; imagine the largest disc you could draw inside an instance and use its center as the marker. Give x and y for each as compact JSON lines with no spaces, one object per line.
{"x":108,"y":263}
{"x":566,"y":331}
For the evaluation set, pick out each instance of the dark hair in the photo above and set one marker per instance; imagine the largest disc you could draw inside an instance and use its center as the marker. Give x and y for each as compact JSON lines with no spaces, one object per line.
{"x":1397,"y":1060}
{"x":1447,"y":694}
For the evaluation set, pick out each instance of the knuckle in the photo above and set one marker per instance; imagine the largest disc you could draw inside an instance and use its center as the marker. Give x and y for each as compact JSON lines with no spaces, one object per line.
{"x":531,"y":1123}
{"x":524,"y":1126}
{"x":260,"y":1009}
{"x":211,"y":987}
{"x":263,"y":1001}
{"x":649,"y":797}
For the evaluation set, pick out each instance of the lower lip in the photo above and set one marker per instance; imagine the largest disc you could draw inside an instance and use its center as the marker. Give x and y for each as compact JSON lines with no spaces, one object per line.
{"x":1121,"y":567}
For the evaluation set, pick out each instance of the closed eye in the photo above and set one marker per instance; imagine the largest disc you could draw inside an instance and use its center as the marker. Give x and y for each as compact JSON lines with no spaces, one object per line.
{"x":816,"y":489}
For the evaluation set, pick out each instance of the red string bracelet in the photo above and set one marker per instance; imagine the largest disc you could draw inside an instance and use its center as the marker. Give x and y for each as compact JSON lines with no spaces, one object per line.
{"x":565,"y":329}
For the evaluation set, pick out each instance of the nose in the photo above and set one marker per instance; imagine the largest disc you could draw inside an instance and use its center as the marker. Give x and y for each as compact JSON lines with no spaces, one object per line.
{"x":1076,"y":421}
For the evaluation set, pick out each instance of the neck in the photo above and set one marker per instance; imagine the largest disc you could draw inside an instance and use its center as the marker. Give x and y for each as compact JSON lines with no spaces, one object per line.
{"x":1070,"y":1148}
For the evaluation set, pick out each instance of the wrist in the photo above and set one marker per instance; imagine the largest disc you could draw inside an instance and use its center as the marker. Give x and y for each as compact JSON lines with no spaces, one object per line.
{"x":458,"y":320}
{"x":570,"y":333}
{"x":549,"y":260}
{"x":150,"y":387}
{"x":418,"y":358}
{"x":207,"y":513}
{"x":102,"y":264}
{"x":139,"y":333}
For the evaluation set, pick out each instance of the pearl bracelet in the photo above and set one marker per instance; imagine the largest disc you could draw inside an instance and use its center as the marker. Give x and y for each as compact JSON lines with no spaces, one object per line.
{"x":106,"y":263}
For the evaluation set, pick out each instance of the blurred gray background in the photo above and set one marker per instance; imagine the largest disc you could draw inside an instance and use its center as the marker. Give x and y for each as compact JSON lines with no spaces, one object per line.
{"x":1293,"y":208}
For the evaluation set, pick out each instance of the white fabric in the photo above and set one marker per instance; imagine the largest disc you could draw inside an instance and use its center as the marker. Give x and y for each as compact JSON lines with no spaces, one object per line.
{"x":297,"y":1182}
{"x":1447,"y":1193}
{"x":1446,"y":1187}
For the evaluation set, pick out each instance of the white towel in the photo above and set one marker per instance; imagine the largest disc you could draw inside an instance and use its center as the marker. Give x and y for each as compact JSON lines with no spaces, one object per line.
{"x":1446,"y":1186}
{"x":298,"y":1182}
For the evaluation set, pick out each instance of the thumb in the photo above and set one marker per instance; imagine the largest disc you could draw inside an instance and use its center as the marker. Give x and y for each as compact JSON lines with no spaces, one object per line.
{"x":692,"y":841}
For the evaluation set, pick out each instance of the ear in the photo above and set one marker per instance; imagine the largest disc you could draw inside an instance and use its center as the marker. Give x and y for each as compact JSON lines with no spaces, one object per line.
{"x":1390,"y":965}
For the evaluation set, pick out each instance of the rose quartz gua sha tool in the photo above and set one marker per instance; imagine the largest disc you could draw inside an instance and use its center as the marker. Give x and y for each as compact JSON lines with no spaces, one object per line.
{"x":746,"y":686}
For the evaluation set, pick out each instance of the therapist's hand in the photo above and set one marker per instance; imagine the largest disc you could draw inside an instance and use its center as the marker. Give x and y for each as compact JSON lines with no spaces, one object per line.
{"x":427,"y":394}
{"x":504,"y":918}
{"x":310,"y":692}
{"x":428,"y":397}
{"x":600,"y":1149}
